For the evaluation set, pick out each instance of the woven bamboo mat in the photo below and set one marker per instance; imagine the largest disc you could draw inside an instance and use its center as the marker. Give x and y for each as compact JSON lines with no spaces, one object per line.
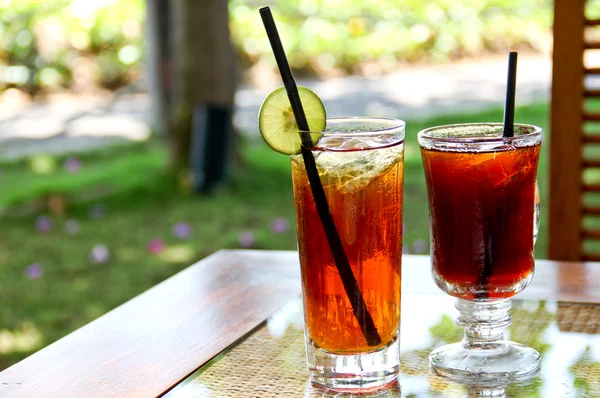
{"x":263,"y":365}
{"x":576,"y":317}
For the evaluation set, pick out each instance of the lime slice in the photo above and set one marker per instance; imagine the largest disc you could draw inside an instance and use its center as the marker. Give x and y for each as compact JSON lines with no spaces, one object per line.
{"x":278,"y":126}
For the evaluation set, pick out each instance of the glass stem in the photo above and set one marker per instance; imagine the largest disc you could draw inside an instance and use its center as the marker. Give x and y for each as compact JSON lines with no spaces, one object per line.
{"x":477,"y":392}
{"x":484,"y":323}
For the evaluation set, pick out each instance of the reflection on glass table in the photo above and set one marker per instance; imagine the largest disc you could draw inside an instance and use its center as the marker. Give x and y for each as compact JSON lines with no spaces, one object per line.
{"x":269,"y":362}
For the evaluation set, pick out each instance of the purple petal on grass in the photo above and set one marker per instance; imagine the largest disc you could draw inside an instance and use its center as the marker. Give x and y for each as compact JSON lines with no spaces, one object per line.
{"x":156,"y":246}
{"x":419,"y":246}
{"x":279,"y":225}
{"x":246,"y":239}
{"x":72,"y":227}
{"x":34,"y":271}
{"x":97,"y":212}
{"x":99,"y":254}
{"x":72,"y":164}
{"x":182,"y":230}
{"x":43,"y":224}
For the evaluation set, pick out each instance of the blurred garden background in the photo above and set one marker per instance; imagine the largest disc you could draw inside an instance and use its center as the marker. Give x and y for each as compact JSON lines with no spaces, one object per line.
{"x":92,"y":211}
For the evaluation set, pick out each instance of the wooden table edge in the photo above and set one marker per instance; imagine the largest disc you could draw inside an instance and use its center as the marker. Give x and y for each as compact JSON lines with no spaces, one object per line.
{"x":96,"y":377}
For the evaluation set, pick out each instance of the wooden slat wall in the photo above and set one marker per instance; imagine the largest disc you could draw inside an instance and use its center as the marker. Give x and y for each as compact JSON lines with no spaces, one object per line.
{"x":566,"y":131}
{"x":591,"y":140}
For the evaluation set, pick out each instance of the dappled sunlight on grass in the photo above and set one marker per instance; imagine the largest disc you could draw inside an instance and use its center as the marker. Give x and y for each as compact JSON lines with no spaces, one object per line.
{"x":25,"y":339}
{"x":177,"y":254}
{"x":102,"y":253}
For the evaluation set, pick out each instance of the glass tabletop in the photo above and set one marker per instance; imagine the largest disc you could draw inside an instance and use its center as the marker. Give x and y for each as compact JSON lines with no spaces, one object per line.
{"x":270,"y":362}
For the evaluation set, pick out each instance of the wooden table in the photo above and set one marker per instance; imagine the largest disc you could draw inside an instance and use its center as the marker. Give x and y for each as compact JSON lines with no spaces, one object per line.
{"x":149,"y":345}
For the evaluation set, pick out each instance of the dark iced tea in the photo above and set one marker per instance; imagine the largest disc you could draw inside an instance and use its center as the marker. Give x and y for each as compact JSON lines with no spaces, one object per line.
{"x":364,"y":192}
{"x":481,"y":203}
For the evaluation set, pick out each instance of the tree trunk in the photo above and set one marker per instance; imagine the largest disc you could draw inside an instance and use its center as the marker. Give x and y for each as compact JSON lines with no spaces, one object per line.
{"x":158,"y":63}
{"x":203,"y":82}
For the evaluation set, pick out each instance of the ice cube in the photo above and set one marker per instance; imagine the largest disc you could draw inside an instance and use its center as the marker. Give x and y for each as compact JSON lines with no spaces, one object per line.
{"x":480,"y":160}
{"x":353,"y":170}
{"x":515,"y":175}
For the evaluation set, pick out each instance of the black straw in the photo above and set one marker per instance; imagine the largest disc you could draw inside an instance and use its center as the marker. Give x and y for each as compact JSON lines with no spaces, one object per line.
{"x":359,"y":307}
{"x":508,"y":130}
{"x":509,"y":107}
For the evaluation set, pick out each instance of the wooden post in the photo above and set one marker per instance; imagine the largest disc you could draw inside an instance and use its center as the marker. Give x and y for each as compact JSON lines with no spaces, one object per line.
{"x":566,"y":131}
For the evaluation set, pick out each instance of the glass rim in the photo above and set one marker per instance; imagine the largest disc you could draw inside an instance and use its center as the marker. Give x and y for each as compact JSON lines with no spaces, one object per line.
{"x":390,"y":129}
{"x":536,"y":131}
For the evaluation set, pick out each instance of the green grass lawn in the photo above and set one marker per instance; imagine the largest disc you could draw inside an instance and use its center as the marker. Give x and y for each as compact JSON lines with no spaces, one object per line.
{"x":141,"y":206}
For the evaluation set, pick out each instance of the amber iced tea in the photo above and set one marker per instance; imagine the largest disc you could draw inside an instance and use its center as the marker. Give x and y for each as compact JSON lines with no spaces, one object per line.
{"x":363,"y":184}
{"x":481,"y":205}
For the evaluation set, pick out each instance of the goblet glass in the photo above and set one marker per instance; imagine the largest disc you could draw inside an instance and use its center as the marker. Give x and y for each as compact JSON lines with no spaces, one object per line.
{"x":484,"y":210}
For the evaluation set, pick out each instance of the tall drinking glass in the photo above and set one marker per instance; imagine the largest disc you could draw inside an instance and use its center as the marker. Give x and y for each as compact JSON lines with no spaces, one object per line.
{"x":483,"y":214}
{"x":360,"y":164}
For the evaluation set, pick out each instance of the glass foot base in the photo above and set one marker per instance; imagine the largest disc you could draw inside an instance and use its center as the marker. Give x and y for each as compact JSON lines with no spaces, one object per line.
{"x":350,"y":372}
{"x":511,"y":362}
